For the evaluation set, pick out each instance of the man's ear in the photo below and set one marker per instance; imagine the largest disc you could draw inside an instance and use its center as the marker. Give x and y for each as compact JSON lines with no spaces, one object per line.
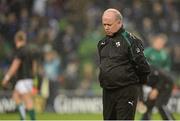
{"x":120,"y":22}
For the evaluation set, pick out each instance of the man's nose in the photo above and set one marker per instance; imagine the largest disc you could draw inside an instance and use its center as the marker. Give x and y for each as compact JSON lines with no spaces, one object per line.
{"x":106,"y":27}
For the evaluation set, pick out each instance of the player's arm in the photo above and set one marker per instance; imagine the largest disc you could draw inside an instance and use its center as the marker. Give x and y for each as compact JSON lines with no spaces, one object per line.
{"x":11,"y":72}
{"x":153,"y":94}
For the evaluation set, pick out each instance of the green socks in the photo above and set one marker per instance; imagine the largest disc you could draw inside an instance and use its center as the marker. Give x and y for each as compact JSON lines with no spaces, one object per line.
{"x":22,"y":112}
{"x":32,"y":114}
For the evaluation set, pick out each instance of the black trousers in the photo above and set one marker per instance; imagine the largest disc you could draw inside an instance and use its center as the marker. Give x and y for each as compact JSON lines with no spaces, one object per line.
{"x":160,"y":103}
{"x":120,"y":104}
{"x":164,"y":112}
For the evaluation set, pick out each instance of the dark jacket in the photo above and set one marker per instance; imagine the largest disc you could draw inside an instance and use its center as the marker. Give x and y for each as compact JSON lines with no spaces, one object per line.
{"x":160,"y":79}
{"x":122,"y":61}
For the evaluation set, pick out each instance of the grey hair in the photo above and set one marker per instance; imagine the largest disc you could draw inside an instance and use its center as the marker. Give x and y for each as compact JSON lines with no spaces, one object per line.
{"x":118,"y":14}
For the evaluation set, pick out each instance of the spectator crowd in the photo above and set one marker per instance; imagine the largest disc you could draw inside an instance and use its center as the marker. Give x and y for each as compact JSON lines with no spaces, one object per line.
{"x":64,"y":35}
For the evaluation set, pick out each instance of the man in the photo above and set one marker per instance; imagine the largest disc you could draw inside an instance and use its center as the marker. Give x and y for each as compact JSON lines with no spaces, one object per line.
{"x":160,"y":80}
{"x":156,"y":54}
{"x":22,"y":66}
{"x":122,"y":67}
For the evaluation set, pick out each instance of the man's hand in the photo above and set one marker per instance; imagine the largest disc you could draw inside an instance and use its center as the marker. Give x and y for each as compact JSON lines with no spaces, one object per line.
{"x":4,"y":83}
{"x":141,"y":107}
{"x":153,"y":94}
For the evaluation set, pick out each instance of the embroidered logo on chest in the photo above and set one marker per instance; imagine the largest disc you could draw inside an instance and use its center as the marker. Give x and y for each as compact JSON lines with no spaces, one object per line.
{"x":118,"y":44}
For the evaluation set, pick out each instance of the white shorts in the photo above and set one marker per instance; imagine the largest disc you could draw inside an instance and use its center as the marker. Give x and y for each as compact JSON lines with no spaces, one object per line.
{"x":24,"y":86}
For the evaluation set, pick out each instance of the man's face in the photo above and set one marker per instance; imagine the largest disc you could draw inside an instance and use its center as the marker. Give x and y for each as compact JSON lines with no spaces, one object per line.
{"x":19,"y":43}
{"x":159,"y":43}
{"x":111,"y":23}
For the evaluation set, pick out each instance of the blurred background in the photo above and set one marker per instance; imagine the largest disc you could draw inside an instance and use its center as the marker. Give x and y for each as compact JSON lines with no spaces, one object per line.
{"x":64,"y":35}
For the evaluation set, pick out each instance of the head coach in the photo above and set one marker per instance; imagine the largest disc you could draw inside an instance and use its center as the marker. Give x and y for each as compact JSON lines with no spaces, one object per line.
{"x":123,"y":68}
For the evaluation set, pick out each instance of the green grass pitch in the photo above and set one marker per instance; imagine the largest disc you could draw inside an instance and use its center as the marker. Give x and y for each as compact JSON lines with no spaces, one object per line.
{"x":54,"y":116}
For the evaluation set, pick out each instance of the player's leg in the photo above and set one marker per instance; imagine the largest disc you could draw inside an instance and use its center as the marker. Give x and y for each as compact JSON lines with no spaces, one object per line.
{"x":27,"y":98}
{"x":163,"y":100}
{"x":109,"y":112}
{"x":24,"y":87}
{"x":19,"y":104}
{"x":149,"y":104}
{"x":126,"y":102}
{"x":165,"y":113}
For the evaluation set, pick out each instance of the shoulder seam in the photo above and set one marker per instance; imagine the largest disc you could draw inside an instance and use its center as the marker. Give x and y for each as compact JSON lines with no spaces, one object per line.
{"x":124,"y":34}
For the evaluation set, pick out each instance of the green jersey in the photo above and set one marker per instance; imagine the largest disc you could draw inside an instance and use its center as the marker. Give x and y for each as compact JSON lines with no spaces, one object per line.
{"x":158,"y":58}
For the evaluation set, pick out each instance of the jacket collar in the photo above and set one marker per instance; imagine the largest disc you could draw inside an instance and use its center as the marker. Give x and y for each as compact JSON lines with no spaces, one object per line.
{"x":120,"y":31}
